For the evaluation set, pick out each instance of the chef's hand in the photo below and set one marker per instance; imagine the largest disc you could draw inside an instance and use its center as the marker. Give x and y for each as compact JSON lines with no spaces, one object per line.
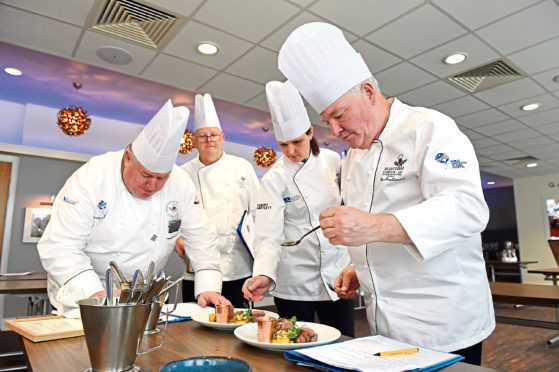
{"x":116,"y":292}
{"x":349,"y":226}
{"x":347,"y":284}
{"x":179,"y":247}
{"x":255,"y":287}
{"x":208,"y":297}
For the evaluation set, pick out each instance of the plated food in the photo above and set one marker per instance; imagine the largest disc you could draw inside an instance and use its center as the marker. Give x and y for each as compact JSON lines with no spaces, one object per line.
{"x":248,"y":333}
{"x":238,"y":318}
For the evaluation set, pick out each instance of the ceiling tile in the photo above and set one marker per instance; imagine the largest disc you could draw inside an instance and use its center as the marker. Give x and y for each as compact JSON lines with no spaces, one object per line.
{"x":424,"y":24}
{"x":184,"y":8}
{"x":170,"y":70}
{"x":500,"y":127}
{"x":92,"y":41}
{"x":539,"y":118}
{"x":461,"y":106}
{"x":547,"y":129}
{"x":516,"y":135}
{"x":376,"y":58}
{"x":477,"y":13}
{"x":484,"y":142}
{"x":510,"y":92}
{"x":231,"y":88}
{"x":431,"y":94}
{"x":276,"y":39}
{"x":531,"y":142}
{"x":491,"y":150}
{"x":480,"y":118}
{"x":471,"y":134}
{"x":242,"y":17}
{"x":546,"y":79}
{"x":548,"y":101}
{"x":73,"y":12}
{"x":36,"y":32}
{"x":259,"y":102}
{"x":523,"y":29}
{"x":478,"y":54}
{"x":259,"y":64}
{"x":509,"y":155}
{"x":356,"y":15}
{"x":184,"y":45}
{"x":401,"y":78}
{"x":538,"y":58}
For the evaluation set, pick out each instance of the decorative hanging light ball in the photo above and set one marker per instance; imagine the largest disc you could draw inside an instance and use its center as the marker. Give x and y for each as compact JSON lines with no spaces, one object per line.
{"x":73,"y":121}
{"x":265,"y":157}
{"x":186,"y":143}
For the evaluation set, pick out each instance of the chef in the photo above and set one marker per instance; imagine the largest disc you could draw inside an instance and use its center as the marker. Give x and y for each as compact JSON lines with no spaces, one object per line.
{"x":414,"y":208}
{"x":226,"y":187}
{"x":299,"y":185}
{"x":128,"y":206}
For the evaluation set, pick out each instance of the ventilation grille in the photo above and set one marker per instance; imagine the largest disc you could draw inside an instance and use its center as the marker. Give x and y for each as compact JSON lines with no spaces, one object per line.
{"x":522,"y":160}
{"x":132,"y":20}
{"x":486,"y":76}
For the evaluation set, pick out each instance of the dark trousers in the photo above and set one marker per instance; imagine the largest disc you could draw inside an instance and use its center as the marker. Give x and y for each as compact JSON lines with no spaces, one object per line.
{"x":338,"y":314}
{"x":472,"y":354}
{"x":231,"y":290}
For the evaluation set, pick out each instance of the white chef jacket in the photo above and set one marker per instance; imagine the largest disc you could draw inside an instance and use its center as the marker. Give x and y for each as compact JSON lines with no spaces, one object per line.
{"x":95,"y":219}
{"x":289,"y":203}
{"x":432,"y":293}
{"x":226,"y":189}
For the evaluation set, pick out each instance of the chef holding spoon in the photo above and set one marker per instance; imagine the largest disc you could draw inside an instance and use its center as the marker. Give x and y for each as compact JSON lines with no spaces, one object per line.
{"x":303,"y":182}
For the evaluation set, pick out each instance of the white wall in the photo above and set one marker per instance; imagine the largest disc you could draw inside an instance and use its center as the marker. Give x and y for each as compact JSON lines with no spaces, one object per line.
{"x":530,"y":194}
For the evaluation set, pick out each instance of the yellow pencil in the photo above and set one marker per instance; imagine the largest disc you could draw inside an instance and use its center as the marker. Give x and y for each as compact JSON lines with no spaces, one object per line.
{"x":396,"y":352}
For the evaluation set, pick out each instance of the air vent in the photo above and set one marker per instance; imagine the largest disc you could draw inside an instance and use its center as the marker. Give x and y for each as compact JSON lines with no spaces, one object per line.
{"x":486,"y":76}
{"x":137,"y":22}
{"x":522,"y":160}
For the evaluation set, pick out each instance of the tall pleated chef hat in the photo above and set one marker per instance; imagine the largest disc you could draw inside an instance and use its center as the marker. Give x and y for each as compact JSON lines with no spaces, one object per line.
{"x":289,"y":115}
{"x":321,"y":63}
{"x":204,"y":112}
{"x":157,"y":145}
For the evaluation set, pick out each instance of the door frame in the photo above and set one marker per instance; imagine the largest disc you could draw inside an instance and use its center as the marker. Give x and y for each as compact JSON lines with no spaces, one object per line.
{"x":8,"y":220}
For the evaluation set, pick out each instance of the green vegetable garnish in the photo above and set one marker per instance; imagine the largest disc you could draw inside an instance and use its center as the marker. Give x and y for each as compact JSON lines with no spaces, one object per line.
{"x":293,"y":332}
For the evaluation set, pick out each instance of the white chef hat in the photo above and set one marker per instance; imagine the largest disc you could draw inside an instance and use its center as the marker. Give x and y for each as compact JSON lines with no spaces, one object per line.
{"x":204,"y":112}
{"x":289,"y":115}
{"x":157,"y":145}
{"x":321,"y":63}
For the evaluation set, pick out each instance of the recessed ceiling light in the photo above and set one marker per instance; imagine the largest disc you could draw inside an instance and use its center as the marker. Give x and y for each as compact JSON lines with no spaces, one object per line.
{"x":13,"y":71}
{"x":530,"y":107}
{"x":531,"y":165}
{"x":455,"y":58}
{"x":490,"y":182}
{"x":207,"y":48}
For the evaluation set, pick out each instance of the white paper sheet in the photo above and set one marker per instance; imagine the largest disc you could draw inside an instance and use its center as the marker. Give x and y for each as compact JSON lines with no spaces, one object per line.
{"x":184,"y":309}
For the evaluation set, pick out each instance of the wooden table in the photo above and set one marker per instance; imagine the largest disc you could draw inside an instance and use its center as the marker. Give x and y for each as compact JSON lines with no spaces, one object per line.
{"x":33,"y":286}
{"x":491,"y":265}
{"x":549,"y":274}
{"x":184,"y":340}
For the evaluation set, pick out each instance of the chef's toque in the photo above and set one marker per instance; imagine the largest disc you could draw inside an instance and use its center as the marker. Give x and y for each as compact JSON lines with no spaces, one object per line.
{"x":321,"y":64}
{"x":204,"y":112}
{"x":289,"y":115}
{"x":157,"y":145}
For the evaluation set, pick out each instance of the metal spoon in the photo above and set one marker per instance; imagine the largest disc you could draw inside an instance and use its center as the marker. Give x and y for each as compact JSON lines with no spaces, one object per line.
{"x":119,"y":275}
{"x":289,"y":244}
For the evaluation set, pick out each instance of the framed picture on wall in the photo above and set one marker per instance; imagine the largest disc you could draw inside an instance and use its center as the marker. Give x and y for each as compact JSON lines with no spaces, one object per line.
{"x":36,"y":220}
{"x":552,"y":214}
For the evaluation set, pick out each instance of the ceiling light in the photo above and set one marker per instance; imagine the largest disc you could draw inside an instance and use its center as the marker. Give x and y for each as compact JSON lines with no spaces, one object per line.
{"x":491,"y":182}
{"x":530,"y":107}
{"x":531,"y":165}
{"x":207,"y":48}
{"x":455,"y":58}
{"x":13,"y":71}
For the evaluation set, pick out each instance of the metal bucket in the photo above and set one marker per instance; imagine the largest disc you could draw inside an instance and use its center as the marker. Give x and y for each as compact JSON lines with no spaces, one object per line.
{"x":113,"y":333}
{"x":151,"y":325}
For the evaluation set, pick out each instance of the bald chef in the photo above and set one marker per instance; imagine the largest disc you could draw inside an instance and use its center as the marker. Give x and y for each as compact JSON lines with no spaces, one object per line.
{"x":128,"y":206}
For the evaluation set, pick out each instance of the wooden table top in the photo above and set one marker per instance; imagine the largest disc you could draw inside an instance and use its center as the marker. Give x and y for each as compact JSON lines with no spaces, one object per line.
{"x":31,"y":276}
{"x":526,"y":294}
{"x":510,"y":263}
{"x":547,"y":271}
{"x":28,"y":286}
{"x":184,"y":340}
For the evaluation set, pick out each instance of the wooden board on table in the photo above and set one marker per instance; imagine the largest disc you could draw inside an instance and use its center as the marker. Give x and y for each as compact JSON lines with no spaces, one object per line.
{"x":46,"y":328}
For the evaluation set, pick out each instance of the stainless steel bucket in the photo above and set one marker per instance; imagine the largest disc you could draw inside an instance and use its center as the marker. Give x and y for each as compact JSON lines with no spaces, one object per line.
{"x":151,"y":326}
{"x":113,"y":333}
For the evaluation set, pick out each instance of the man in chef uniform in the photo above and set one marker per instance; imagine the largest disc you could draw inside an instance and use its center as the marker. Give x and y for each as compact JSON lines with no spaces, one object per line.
{"x":226,"y":187}
{"x":413,"y":205}
{"x":128,"y":206}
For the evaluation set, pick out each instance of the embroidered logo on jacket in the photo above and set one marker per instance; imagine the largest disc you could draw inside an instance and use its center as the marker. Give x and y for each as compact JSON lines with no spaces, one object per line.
{"x":444,"y":159}
{"x":289,"y":199}
{"x":101,"y":210}
{"x":242,"y":183}
{"x":394,"y":173}
{"x":68,"y":200}
{"x":263,"y":206}
{"x":172,"y":209}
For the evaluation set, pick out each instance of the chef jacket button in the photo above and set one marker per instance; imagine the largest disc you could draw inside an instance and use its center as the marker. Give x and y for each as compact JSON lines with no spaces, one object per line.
{"x":365,"y":266}
{"x":369,"y":172}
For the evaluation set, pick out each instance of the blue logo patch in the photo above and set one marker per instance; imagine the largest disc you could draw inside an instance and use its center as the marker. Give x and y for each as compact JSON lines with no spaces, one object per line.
{"x":444,"y":159}
{"x":441,"y":158}
{"x":101,"y":211}
{"x":290,"y":199}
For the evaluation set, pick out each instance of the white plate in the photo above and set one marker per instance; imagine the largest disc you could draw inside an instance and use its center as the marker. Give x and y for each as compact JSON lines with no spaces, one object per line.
{"x":203,"y":318}
{"x":326,"y":334}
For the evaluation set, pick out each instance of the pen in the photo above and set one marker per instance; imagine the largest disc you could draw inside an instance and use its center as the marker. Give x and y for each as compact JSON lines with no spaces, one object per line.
{"x":395,"y":352}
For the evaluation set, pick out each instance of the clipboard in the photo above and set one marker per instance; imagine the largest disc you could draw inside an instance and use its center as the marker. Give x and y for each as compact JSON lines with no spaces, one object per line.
{"x":245,"y":230}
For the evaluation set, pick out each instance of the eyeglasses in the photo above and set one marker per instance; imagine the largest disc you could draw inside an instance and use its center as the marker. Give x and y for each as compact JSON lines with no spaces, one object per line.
{"x":214,"y":137}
